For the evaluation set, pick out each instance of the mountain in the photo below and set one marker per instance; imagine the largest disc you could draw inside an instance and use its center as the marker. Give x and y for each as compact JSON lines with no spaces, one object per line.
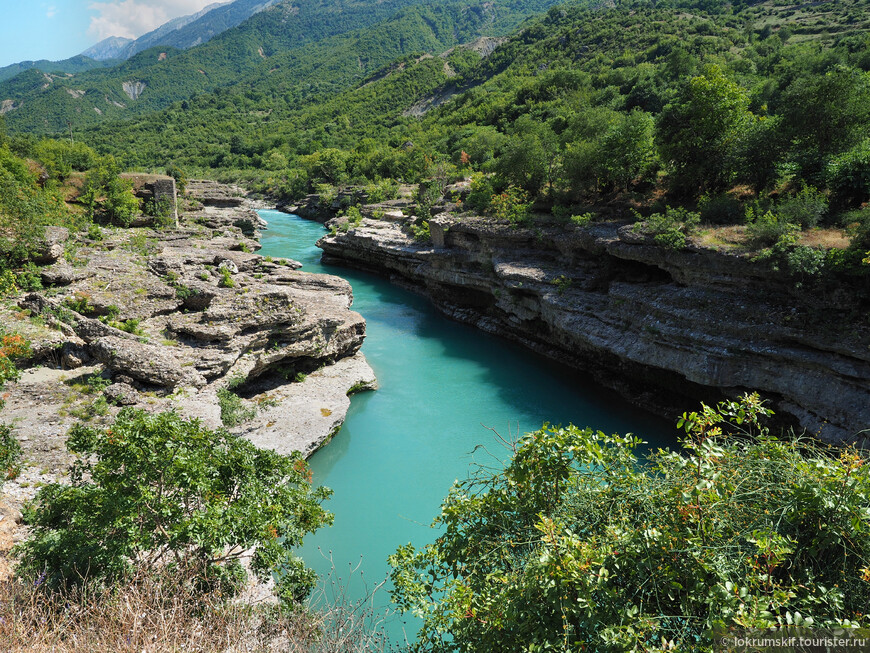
{"x":183,"y":32}
{"x":77,"y":64}
{"x":113,"y":47}
{"x":286,"y":47}
{"x":560,"y":83}
{"x":202,"y":26}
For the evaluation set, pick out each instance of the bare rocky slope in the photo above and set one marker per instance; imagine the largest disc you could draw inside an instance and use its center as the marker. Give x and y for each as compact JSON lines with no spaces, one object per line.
{"x":666,"y":328}
{"x":185,"y":313}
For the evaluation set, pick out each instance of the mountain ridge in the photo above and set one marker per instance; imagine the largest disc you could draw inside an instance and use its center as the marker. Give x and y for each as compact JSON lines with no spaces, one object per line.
{"x":284,"y":35}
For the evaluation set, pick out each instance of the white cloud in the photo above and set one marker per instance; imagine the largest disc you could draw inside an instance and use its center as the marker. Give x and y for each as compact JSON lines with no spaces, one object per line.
{"x":133,"y":18}
{"x":51,"y":12}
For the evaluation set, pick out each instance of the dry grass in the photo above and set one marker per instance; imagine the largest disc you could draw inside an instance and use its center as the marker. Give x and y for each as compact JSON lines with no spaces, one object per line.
{"x":167,"y":614}
{"x":729,"y":237}
{"x":735,"y":238}
{"x":825,"y":238}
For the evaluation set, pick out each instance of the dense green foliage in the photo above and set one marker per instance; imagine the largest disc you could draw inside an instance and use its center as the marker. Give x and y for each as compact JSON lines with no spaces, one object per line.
{"x":582,"y":105}
{"x":107,"y":196}
{"x":35,"y":188}
{"x":10,"y":454}
{"x":25,"y":209}
{"x":290,"y":51}
{"x":72,"y":65}
{"x":157,"y":489}
{"x":577,"y":545}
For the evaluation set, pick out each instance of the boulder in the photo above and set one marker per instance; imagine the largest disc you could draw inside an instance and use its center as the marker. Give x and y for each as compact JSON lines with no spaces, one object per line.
{"x":121,"y":394}
{"x":61,"y":274}
{"x":147,"y":363}
{"x":52,"y":246}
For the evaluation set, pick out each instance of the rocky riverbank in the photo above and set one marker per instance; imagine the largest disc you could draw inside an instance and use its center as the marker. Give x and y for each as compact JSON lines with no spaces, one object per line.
{"x":665,"y":328}
{"x":188,"y":319}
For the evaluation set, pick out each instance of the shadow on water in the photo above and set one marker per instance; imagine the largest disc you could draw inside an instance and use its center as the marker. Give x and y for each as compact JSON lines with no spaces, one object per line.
{"x":442,"y":385}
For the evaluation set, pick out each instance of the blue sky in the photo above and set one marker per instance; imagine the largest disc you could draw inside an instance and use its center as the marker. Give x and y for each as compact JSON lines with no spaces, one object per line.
{"x":58,"y":29}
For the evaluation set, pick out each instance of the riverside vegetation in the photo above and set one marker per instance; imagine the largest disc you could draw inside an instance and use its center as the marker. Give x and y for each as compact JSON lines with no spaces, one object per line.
{"x":741,"y":126}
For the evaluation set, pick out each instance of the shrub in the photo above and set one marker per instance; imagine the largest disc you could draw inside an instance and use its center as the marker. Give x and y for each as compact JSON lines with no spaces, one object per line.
{"x":25,"y":210}
{"x":94,"y":232}
{"x":226,"y":280}
{"x":327,"y":193}
{"x":513,"y":205}
{"x":583,"y":219}
{"x":107,"y":195}
{"x":380,"y":191}
{"x":428,"y":194}
{"x":848,"y":176}
{"x":578,"y":545}
{"x":60,"y":158}
{"x":179,"y":176}
{"x":668,"y":229}
{"x":10,"y":454}
{"x":805,"y":262}
{"x":161,"y":211}
{"x":806,"y":208}
{"x":480,"y":192}
{"x":768,"y":228}
{"x":29,"y":278}
{"x":7,"y":283}
{"x":80,"y":302}
{"x":13,"y":348}
{"x":421,"y":231}
{"x":233,"y":409}
{"x":130,"y":325}
{"x":353,"y":216}
{"x":721,"y":209}
{"x":157,"y":490}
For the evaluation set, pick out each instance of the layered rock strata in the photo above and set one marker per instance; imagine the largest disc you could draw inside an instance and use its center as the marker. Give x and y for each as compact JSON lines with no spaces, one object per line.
{"x":666,"y":328}
{"x":170,"y":319}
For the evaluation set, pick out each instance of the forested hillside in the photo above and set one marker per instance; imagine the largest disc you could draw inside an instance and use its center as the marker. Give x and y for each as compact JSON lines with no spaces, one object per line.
{"x":753,"y":111}
{"x":278,"y":39}
{"x":72,"y":65}
{"x":696,"y":99}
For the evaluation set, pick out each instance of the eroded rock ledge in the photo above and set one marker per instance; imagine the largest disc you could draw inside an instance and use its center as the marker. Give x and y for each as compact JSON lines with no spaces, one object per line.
{"x":664,"y":328}
{"x":186,"y":313}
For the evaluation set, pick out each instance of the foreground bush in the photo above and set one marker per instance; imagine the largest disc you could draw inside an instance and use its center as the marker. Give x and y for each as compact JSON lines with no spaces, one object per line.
{"x":157,"y":490}
{"x":578,"y":546}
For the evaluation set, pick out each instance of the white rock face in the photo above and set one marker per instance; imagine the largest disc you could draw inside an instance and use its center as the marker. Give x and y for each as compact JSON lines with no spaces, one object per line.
{"x":134,"y":90}
{"x":310,"y":412}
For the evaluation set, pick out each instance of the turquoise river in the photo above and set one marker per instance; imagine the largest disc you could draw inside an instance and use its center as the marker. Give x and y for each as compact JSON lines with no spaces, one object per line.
{"x":443,"y":386}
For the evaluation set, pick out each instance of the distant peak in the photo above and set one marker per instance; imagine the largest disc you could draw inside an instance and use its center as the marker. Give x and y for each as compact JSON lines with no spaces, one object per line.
{"x":108,"y":48}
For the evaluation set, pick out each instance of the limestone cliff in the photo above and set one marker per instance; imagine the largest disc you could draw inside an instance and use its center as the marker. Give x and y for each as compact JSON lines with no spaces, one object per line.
{"x":169,"y":319}
{"x":664,"y":327}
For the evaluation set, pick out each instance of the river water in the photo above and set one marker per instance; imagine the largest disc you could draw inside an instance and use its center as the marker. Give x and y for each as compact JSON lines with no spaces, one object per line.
{"x":443,"y":386}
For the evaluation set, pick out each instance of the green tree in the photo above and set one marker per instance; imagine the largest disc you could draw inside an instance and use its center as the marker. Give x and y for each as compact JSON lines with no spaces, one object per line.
{"x":758,"y":152}
{"x":158,"y":489}
{"x":107,"y":195}
{"x":848,"y":176}
{"x":25,"y":210}
{"x":628,"y":149}
{"x":60,"y":158}
{"x":577,"y":545}
{"x":531,"y":157}
{"x":180,"y":177}
{"x":824,"y":115}
{"x":699,"y":129}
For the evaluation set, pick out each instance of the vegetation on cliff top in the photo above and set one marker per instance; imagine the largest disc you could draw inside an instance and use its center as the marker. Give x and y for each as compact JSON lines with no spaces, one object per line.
{"x":752,"y":114}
